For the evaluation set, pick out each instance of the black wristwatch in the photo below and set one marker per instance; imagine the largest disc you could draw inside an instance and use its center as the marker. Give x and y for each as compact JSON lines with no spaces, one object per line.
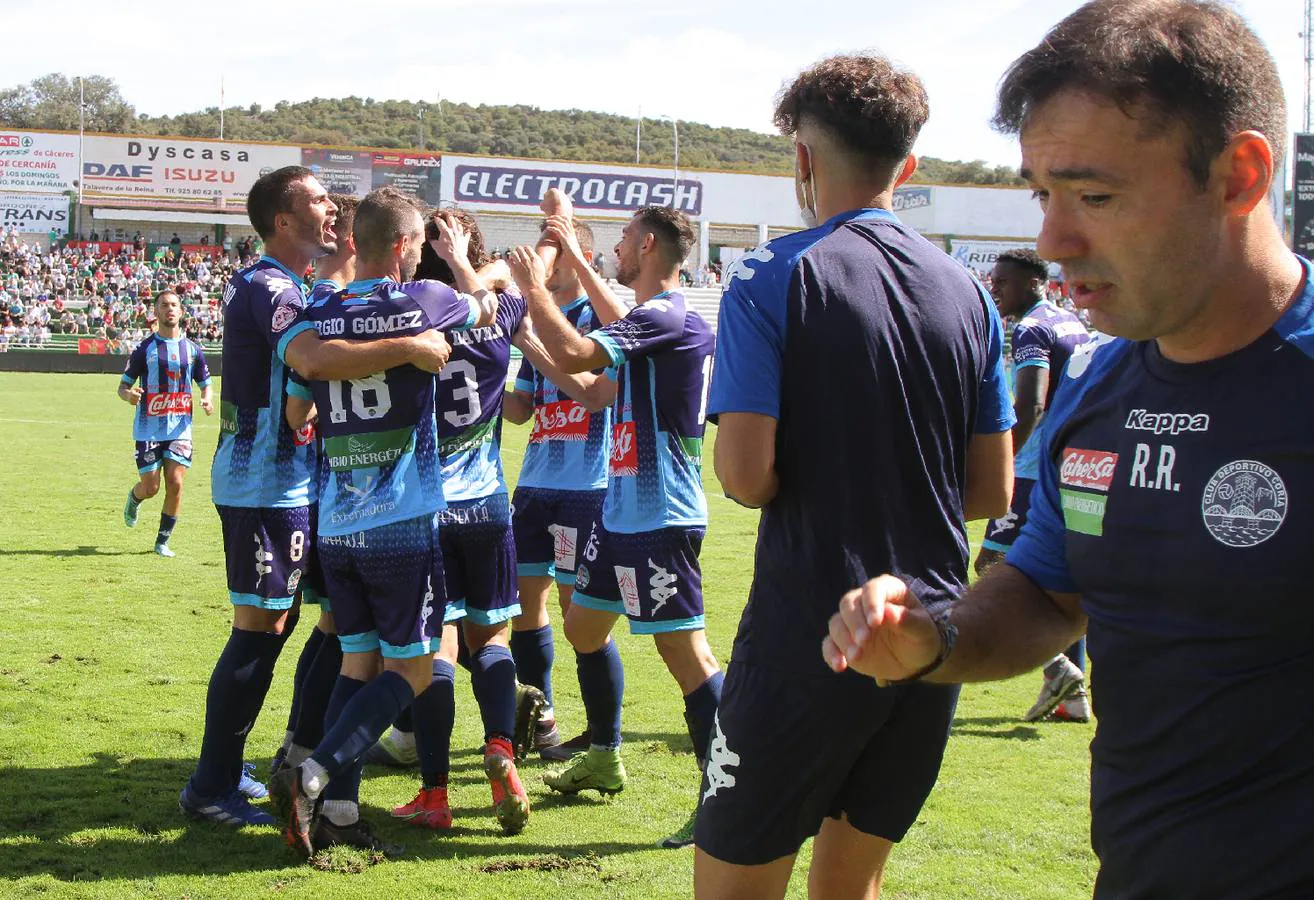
{"x":948,"y":632}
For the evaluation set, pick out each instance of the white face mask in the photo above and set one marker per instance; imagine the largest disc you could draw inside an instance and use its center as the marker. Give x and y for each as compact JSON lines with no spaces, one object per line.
{"x":809,"y":210}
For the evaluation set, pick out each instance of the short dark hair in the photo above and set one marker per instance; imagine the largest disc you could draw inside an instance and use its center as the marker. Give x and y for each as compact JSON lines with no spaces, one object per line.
{"x":346,"y":204}
{"x":1193,"y":62}
{"x":671,"y":228}
{"x":1027,"y":260}
{"x":434,"y":266}
{"x":383,"y":216}
{"x":271,"y":195}
{"x":166,"y":293}
{"x":873,"y":108}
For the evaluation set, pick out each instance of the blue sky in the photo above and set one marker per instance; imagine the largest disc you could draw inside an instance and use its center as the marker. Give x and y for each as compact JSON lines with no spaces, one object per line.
{"x":702,"y":60}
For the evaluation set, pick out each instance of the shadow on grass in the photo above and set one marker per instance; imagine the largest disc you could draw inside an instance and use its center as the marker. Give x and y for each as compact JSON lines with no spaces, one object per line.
{"x":992,"y":727}
{"x":120,"y":819}
{"x":67,"y":552}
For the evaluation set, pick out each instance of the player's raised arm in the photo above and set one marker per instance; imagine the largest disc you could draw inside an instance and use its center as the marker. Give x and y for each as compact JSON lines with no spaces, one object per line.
{"x":607,"y":307}
{"x":593,"y":391}
{"x":453,"y":248}
{"x":570,"y":351}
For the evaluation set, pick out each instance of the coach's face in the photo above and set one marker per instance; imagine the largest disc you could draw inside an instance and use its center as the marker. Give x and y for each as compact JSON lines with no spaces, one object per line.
{"x":1138,"y":239}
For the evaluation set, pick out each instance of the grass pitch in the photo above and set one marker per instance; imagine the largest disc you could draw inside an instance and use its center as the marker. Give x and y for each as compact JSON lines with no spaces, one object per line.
{"x":107,"y":650}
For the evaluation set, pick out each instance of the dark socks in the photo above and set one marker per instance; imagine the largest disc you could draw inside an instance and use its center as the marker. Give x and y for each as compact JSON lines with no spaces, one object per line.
{"x":534,"y":652}
{"x":602,"y":687}
{"x":434,"y":717}
{"x":406,"y":722}
{"x":700,"y":707}
{"x":304,"y":661}
{"x":316,"y":690}
{"x":358,"y":715}
{"x":493,"y":678}
{"x":166,"y":528}
{"x":1077,"y":653}
{"x":237,"y":690}
{"x":133,"y":498}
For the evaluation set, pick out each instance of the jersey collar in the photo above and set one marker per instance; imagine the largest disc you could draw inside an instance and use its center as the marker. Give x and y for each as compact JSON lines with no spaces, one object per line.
{"x":296,"y":279}
{"x":870,"y":214}
{"x":575,"y":304}
{"x":365,"y":285}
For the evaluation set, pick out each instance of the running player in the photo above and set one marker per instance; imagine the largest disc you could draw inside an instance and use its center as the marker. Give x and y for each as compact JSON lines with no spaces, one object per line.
{"x":1044,"y":338}
{"x":1171,"y":519}
{"x":641,"y":557}
{"x":855,"y":346}
{"x":261,"y":479}
{"x":378,"y":535}
{"x":562,"y":483}
{"x":321,"y":655}
{"x":166,"y":364}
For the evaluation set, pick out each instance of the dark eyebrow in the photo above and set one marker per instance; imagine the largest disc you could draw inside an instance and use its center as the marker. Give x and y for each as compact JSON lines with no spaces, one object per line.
{"x":1078,"y":173}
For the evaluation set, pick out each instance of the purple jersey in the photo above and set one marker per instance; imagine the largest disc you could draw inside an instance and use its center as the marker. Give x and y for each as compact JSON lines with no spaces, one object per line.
{"x":663,"y":351}
{"x":1045,"y":337}
{"x":260,"y":462}
{"x":379,"y":435}
{"x":470,"y":391}
{"x":166,"y":368}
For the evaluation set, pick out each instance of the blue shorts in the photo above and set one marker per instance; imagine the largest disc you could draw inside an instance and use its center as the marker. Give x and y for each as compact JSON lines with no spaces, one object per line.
{"x":386,"y":584}
{"x":265,"y":553}
{"x":548,"y":526}
{"x":152,"y":454}
{"x":791,"y":749}
{"x":652,"y":578}
{"x":1001,"y":533}
{"x":479,"y":560}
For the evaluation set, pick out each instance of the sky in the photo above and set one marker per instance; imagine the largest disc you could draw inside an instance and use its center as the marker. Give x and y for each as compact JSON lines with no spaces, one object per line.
{"x":718,"y":62}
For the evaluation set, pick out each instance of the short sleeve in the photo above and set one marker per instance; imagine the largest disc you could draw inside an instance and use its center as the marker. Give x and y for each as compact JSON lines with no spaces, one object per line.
{"x":1040,"y":551}
{"x":1031,"y":346}
{"x":136,"y":365}
{"x":646,"y":329}
{"x":994,"y":410}
{"x":297,"y":386}
{"x":750,"y":344}
{"x":445,"y":308}
{"x":200,"y":368}
{"x":277,"y":309}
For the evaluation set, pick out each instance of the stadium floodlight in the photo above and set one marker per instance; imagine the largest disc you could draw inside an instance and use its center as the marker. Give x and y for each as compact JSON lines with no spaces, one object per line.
{"x":675,"y":166}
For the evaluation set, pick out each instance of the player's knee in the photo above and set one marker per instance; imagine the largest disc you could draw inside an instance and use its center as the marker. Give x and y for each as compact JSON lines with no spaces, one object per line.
{"x":417,"y":670}
{"x":361,"y":666}
{"x":326,"y":623}
{"x":687,"y":656}
{"x":269,"y":621}
{"x":584,"y":633}
{"x":479,"y":636}
{"x":149,"y":486}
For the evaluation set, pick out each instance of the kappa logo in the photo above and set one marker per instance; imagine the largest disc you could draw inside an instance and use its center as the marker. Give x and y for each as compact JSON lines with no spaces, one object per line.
{"x":1081,"y":357}
{"x":661,"y":586}
{"x":263,"y":558}
{"x":426,"y":609}
{"x":1166,"y":423}
{"x":720,"y":758}
{"x":229,"y":293}
{"x":739,"y":268}
{"x":277,"y":284}
{"x":628,"y":582}
{"x":1244,"y":503}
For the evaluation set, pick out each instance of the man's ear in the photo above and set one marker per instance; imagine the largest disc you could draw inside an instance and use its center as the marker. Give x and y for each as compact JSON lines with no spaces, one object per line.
{"x":906,"y":170}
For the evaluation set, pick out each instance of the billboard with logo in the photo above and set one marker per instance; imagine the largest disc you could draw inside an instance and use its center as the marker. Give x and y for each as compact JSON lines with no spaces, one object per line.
{"x":1302,"y":199}
{"x":340,"y":171}
{"x":610,"y":189}
{"x":38,"y":162}
{"x":413,"y":173}
{"x":34,"y":213}
{"x":175,"y":172}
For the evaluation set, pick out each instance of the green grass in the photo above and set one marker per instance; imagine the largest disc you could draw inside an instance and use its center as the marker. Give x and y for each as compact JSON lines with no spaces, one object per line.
{"x":107,"y":650}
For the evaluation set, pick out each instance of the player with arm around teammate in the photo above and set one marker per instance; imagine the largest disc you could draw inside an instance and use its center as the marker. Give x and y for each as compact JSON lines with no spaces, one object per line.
{"x":158,"y":381}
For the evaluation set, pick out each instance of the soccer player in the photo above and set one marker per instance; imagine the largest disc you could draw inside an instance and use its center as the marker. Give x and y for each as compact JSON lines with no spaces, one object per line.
{"x":641,"y":557}
{"x":562,"y":483}
{"x":378,"y":537}
{"x":166,"y":364}
{"x":261,"y":479}
{"x":1169,"y":520}
{"x":861,"y":403}
{"x":321,"y":655}
{"x":1045,"y":337}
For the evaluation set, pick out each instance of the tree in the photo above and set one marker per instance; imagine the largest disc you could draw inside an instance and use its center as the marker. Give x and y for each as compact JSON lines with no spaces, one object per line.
{"x":51,"y":102}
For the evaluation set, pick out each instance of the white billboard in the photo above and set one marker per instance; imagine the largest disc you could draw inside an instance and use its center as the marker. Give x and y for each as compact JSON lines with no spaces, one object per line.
{"x":34,"y":213}
{"x":38,"y":162}
{"x":176,"y":172}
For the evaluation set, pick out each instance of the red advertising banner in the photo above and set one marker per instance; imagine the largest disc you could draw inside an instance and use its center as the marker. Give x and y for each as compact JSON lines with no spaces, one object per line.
{"x":93,"y":346}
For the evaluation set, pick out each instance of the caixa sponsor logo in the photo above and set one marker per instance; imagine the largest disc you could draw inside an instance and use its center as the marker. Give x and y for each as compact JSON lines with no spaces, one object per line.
{"x":1166,"y":423}
{"x":1088,"y":468}
{"x":173,"y":404}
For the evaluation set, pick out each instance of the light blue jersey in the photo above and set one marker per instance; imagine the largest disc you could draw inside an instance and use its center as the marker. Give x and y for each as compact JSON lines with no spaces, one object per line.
{"x":166,"y":368}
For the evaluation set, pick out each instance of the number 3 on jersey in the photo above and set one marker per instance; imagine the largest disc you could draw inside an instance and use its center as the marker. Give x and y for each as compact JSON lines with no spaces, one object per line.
{"x":370,"y":398}
{"x":465,"y":392}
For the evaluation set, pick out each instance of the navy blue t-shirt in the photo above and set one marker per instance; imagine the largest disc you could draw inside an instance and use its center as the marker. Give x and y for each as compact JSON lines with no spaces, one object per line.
{"x":880,"y":357}
{"x":1178,"y":501}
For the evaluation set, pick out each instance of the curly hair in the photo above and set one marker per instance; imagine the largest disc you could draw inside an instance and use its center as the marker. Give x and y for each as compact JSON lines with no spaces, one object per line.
{"x":1191,"y":62}
{"x":1027,"y":260}
{"x":432,"y":265}
{"x":874,"y":109}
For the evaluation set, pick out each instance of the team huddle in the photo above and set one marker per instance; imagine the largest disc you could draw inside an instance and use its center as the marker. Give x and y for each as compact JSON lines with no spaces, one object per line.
{"x":1142,"y":488}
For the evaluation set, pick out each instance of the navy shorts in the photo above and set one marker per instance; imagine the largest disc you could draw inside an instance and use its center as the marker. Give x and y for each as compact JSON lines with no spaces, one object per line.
{"x":313,"y":589}
{"x":652,"y":578}
{"x":1001,"y":533}
{"x":791,"y":749}
{"x":549,"y":526}
{"x":265,"y":553}
{"x":479,"y":560}
{"x":152,"y":454}
{"x":387,"y":585}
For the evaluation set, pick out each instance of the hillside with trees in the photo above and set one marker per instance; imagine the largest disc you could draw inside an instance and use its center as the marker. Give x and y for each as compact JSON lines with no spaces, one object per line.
{"x":51,"y":102}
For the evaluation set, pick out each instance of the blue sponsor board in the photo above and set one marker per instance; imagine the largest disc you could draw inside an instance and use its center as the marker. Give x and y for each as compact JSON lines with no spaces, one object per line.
{"x":911,"y":198}
{"x":587,"y":190}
